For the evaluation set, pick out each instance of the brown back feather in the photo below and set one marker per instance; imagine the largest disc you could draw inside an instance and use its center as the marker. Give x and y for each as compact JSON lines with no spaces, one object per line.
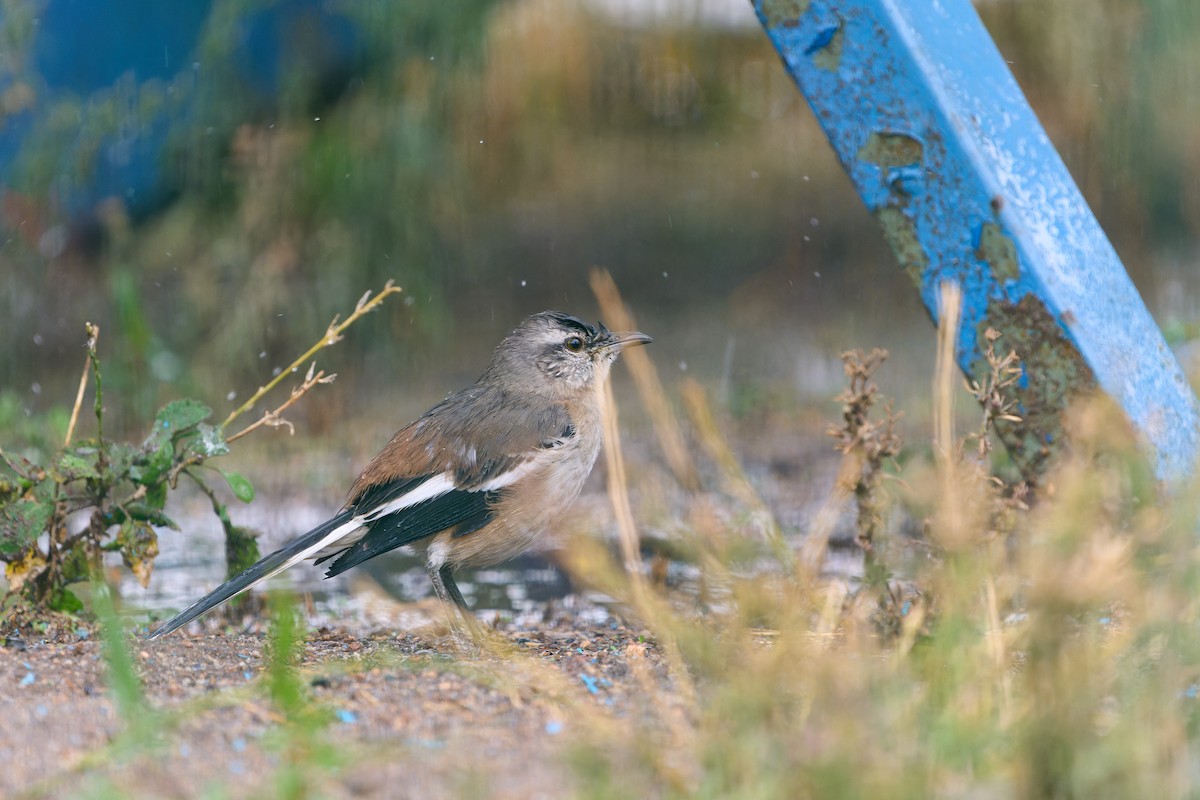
{"x":477,"y":433}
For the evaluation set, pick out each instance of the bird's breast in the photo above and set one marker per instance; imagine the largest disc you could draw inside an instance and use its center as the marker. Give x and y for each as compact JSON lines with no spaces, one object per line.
{"x":528,"y":507}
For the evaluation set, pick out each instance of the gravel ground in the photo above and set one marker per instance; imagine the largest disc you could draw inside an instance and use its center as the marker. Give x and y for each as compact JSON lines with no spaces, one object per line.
{"x":407,"y":715}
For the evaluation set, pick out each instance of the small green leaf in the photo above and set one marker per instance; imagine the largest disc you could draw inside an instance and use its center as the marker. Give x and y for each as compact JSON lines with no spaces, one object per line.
{"x":146,"y":513}
{"x":120,"y":457}
{"x":21,"y":522}
{"x":156,"y":495}
{"x":242,"y":488}
{"x":139,"y":548}
{"x":178,"y":416}
{"x":77,"y":564}
{"x":241,"y":549}
{"x":71,"y":465}
{"x":209,"y":441}
{"x":64,"y":600}
{"x":150,"y":468}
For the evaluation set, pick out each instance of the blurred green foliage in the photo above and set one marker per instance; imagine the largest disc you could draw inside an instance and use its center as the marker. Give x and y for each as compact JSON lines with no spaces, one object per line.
{"x":489,"y":153}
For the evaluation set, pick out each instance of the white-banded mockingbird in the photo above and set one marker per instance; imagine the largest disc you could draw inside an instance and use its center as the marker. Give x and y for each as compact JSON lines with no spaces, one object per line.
{"x":479,"y":476}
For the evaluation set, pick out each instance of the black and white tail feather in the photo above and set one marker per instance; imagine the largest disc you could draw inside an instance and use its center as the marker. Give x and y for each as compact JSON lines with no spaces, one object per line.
{"x":382,"y":518}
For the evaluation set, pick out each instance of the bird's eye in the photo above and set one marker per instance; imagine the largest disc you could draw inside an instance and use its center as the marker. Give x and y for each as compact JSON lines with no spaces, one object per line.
{"x":574,"y":344}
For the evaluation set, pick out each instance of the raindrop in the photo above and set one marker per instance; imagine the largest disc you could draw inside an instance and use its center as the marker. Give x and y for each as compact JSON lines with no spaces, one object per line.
{"x":316,"y":119}
{"x":263,"y":354}
{"x":36,"y":388}
{"x":37,"y":339}
{"x":524,"y":282}
{"x":814,"y":221}
{"x":53,"y":242}
{"x":683,"y":366}
{"x":664,"y":273}
{"x":276,"y":371}
{"x":231,"y":396}
{"x":816,"y":274}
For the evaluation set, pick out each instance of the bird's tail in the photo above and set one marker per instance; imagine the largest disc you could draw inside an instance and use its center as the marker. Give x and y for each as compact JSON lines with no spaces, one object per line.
{"x":304,"y":547}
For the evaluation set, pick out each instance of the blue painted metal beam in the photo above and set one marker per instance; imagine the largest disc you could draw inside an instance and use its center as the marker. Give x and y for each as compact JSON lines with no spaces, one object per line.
{"x":947,"y":154}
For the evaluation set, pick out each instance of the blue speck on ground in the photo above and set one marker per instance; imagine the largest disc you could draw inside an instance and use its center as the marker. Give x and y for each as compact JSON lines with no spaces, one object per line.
{"x":590,"y":683}
{"x":28,"y":679}
{"x":554,"y":727}
{"x":346,"y":716}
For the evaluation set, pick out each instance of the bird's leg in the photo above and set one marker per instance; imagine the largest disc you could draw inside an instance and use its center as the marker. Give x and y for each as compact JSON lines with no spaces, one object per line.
{"x":445,"y":575}
{"x":462,"y":621}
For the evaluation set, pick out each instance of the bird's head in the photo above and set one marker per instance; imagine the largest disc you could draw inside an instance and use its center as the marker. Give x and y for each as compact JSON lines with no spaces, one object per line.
{"x":556,"y":353}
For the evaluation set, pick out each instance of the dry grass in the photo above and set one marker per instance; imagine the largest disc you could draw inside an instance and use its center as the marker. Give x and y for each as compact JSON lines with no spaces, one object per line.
{"x":1039,"y":652}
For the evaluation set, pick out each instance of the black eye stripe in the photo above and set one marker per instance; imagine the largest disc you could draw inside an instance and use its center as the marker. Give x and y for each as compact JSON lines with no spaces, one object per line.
{"x":573,"y":323}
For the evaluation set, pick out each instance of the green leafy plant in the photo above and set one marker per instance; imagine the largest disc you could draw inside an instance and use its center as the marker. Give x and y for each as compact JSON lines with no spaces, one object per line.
{"x":121,"y":488}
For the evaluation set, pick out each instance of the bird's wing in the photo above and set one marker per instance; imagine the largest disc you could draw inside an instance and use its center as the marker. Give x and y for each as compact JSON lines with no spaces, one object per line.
{"x":478,"y":449}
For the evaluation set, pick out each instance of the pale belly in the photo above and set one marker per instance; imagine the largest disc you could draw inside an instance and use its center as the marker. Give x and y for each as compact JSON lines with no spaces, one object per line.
{"x":527,"y":512}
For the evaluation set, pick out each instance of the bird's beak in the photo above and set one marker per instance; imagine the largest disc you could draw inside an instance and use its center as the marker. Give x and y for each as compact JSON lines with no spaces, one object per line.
{"x":623,"y":340}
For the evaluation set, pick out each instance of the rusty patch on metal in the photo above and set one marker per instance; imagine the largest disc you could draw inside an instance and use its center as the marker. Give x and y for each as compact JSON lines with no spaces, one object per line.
{"x":901,"y":234}
{"x":783,"y":13}
{"x":1000,"y":253}
{"x":891,"y":150}
{"x":1055,"y":375}
{"x":829,"y":56}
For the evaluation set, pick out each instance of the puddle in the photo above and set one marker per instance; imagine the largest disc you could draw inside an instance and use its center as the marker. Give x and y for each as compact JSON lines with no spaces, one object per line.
{"x":192,"y":563}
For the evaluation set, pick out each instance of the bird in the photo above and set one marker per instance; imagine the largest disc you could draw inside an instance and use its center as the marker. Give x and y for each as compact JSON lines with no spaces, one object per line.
{"x":476,"y":479}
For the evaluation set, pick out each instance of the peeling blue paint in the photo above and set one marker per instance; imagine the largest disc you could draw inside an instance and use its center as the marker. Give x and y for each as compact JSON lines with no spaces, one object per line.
{"x":927,"y":69}
{"x":823,"y":38}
